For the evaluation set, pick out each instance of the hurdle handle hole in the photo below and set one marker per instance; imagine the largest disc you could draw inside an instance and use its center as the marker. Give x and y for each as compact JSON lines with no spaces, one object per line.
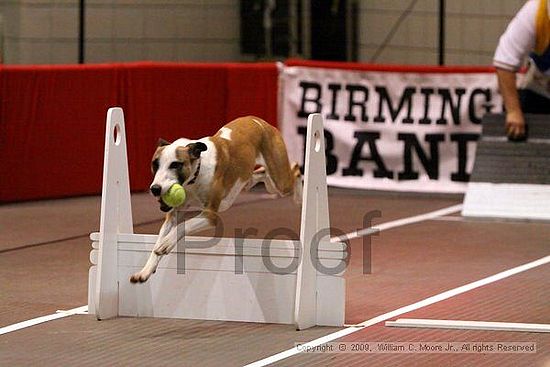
{"x":116,"y":134}
{"x":317,"y":141}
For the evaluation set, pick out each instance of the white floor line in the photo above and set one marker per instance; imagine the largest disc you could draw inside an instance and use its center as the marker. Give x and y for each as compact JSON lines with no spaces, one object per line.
{"x":41,"y":319}
{"x":414,"y":306}
{"x":447,"y":218}
{"x":398,"y":223}
{"x":82,"y":310}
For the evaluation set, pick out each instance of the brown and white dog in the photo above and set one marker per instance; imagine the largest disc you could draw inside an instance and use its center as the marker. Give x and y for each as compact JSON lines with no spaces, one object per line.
{"x":214,"y":170}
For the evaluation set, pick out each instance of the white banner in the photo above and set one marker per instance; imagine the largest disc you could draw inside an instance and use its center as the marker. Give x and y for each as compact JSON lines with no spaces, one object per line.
{"x":402,"y":131}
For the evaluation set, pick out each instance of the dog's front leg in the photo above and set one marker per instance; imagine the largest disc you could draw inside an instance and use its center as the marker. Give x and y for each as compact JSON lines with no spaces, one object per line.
{"x":193,"y":225}
{"x":150,"y":267}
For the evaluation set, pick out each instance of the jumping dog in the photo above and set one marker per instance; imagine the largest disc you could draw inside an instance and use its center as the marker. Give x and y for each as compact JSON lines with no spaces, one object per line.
{"x":214,"y":170}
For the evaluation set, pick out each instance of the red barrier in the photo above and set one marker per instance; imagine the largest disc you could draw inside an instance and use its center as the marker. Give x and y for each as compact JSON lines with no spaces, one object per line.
{"x":52,"y":118}
{"x":52,"y":129}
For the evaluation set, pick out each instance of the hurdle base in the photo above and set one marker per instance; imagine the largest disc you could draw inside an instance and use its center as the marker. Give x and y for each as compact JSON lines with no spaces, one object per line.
{"x":217,"y":283}
{"x":507,"y":201}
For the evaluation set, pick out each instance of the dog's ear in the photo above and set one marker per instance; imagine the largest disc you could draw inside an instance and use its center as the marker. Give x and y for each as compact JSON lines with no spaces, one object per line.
{"x":163,"y":142}
{"x":195,"y":149}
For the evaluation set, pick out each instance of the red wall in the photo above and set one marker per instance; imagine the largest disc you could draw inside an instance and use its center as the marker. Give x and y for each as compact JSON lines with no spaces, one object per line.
{"x":52,"y":118}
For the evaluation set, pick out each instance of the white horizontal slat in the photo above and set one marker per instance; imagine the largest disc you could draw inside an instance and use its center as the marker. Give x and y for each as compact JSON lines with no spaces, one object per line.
{"x":216,"y":250}
{"x":213,"y":295}
{"x":249,"y":249}
{"x":253,"y":297}
{"x":209,"y":262}
{"x":470,"y":325}
{"x":224,"y":241}
{"x":92,"y":276}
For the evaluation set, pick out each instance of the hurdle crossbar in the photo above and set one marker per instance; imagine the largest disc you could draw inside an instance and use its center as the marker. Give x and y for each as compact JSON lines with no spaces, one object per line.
{"x":223,"y":281}
{"x":469,"y":325}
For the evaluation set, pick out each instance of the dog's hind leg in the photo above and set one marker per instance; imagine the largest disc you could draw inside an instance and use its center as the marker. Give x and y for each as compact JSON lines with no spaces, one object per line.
{"x":261,"y":175}
{"x":257,"y":176}
{"x":298,"y":186}
{"x":282,"y":178}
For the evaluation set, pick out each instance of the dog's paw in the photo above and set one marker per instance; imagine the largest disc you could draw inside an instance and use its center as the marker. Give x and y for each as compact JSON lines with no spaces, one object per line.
{"x":140,"y":277}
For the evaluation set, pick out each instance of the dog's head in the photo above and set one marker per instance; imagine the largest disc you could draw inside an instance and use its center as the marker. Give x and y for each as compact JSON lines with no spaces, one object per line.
{"x":173,"y":163}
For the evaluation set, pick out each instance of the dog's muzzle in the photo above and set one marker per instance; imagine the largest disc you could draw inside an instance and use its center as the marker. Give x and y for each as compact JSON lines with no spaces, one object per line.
{"x":156,"y":191}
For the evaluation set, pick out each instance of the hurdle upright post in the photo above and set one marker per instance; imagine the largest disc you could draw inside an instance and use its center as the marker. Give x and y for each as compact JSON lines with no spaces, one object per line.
{"x":315,"y":218}
{"x":116,"y":214}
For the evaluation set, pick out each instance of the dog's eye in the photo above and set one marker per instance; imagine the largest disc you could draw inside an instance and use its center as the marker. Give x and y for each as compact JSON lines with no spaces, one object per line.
{"x":155,"y":165}
{"x":176,"y":165}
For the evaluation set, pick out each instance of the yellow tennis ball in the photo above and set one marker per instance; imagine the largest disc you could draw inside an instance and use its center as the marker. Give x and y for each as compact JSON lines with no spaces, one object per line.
{"x":175,"y":196}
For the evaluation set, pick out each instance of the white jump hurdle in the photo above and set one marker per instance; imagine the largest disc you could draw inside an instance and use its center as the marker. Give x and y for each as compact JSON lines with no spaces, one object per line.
{"x":210,"y":288}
